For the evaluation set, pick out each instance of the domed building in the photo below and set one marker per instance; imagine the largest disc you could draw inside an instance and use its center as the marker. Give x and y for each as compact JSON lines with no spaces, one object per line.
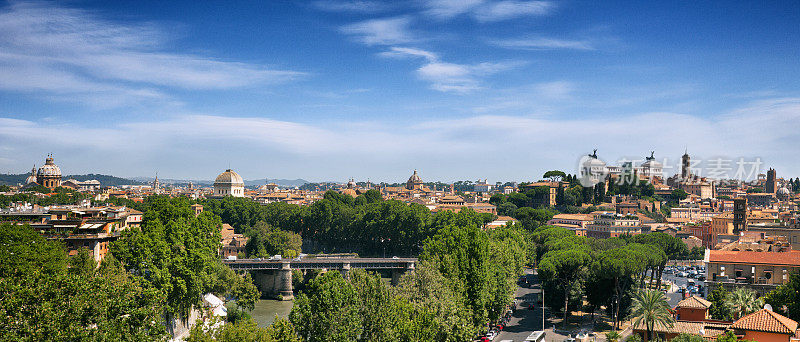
{"x":414,"y":182}
{"x":32,"y":178}
{"x":49,"y":175}
{"x":783,"y":193}
{"x":229,"y":183}
{"x":351,"y":189}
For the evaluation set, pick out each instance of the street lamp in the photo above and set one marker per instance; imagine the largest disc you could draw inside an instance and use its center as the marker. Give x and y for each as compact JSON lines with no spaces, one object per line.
{"x":542,"y":285}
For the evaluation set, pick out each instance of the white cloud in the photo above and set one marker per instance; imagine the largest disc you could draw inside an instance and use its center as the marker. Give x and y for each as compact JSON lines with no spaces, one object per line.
{"x":509,"y":9}
{"x":356,"y":6}
{"x":460,"y":78}
{"x":386,"y":31}
{"x":446,"y":9}
{"x":542,"y":43}
{"x":487,"y":11}
{"x":555,"y":90}
{"x":75,"y":54}
{"x":404,"y":52}
{"x":523,"y":144}
{"x":475,"y":146}
{"x":450,"y":77}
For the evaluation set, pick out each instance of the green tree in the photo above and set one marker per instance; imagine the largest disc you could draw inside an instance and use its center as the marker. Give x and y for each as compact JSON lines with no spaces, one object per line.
{"x":46,"y":296}
{"x":554,"y":175}
{"x":228,"y":284}
{"x":174,"y":251}
{"x":566,"y":267}
{"x":688,"y":338}
{"x":265,"y":241}
{"x":650,"y":309}
{"x":679,"y":194}
{"x":619,"y":265}
{"x":507,"y":209}
{"x":461,"y":253}
{"x":328,"y":311}
{"x":613,"y":336}
{"x":719,"y":308}
{"x":441,"y":317}
{"x":742,"y":301}
{"x":786,"y":298}
{"x":244,"y":331}
{"x":728,"y":336}
{"x":497,"y":199}
{"x":697,"y":253}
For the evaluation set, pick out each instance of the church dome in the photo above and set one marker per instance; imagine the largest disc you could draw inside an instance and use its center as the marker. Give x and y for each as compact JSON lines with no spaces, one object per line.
{"x":783,"y":192}
{"x":32,"y":178}
{"x":49,"y":169}
{"x":414,"y":178}
{"x":229,"y":177}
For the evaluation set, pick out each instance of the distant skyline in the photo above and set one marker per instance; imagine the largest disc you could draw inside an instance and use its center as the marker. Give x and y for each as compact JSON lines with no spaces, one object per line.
{"x":329,"y":90}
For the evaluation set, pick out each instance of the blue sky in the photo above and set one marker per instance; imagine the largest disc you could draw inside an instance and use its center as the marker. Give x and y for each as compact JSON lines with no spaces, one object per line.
{"x":327,"y":90}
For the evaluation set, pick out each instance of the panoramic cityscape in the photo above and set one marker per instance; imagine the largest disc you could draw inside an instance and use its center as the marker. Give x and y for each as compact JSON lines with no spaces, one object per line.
{"x":431,"y":170}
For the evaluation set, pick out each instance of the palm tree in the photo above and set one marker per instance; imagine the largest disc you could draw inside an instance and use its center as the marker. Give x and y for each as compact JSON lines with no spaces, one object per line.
{"x":743,"y":301}
{"x":650,"y":307}
{"x":612,"y":336}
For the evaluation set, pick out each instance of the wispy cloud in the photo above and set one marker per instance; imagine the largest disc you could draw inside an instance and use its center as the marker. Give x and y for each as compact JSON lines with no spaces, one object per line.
{"x":426,"y":144}
{"x":450,"y":77}
{"x":542,"y":43}
{"x":385,"y":31}
{"x":446,"y":9}
{"x":487,"y":11}
{"x":405,"y":52}
{"x":555,"y":90}
{"x":355,"y":6}
{"x":509,"y":9}
{"x":71,"y":53}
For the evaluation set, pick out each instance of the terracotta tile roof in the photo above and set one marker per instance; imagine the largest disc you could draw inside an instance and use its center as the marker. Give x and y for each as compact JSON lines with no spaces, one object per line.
{"x":766,"y":321}
{"x":579,"y":217}
{"x":791,"y":258}
{"x":694,"y":302}
{"x":710,"y":330}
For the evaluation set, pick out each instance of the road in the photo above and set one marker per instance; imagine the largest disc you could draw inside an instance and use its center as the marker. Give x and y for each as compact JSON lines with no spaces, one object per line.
{"x":526,"y":321}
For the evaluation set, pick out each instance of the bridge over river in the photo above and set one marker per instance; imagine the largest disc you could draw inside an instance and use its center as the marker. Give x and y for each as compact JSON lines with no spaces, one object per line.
{"x":274,"y":277}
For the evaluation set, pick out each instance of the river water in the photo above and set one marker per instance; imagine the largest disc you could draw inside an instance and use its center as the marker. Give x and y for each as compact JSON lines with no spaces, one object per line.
{"x":266,"y":309}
